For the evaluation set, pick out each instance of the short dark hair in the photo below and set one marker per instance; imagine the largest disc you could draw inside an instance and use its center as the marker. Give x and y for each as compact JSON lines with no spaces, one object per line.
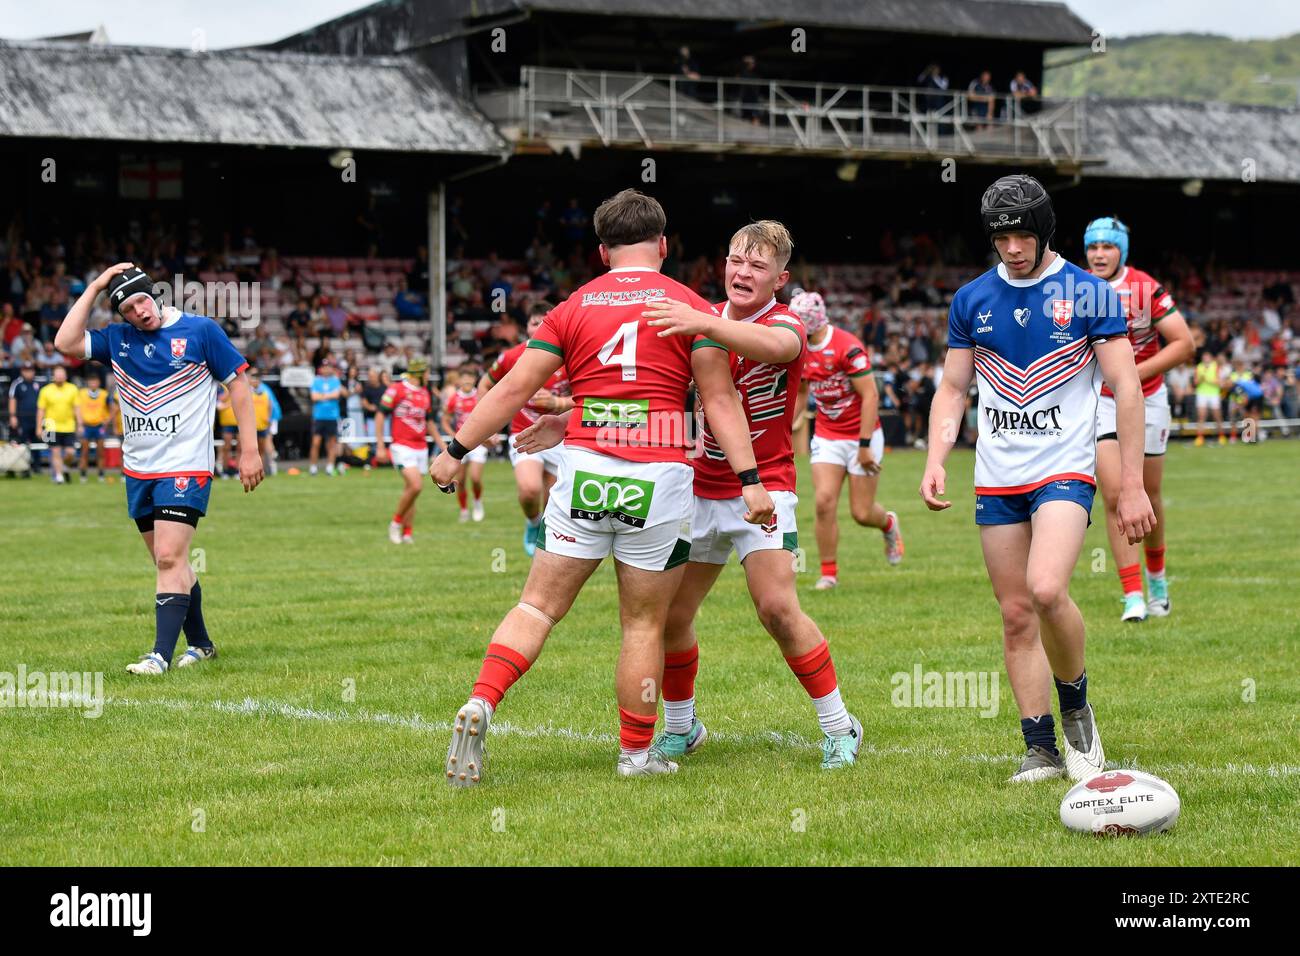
{"x":540,"y":307}
{"x":628,"y":218}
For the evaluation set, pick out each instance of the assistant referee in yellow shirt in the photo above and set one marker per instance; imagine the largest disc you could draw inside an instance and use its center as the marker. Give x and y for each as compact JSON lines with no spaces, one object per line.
{"x":56,"y":419}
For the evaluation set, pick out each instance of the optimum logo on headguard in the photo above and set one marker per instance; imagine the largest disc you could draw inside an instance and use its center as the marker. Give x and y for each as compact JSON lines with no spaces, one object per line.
{"x":1019,"y":203}
{"x":127,"y":285}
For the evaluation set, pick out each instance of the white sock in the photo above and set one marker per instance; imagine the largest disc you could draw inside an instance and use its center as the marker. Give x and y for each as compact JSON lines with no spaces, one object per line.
{"x":1156,"y":575}
{"x":678,"y":715}
{"x":639,"y":757}
{"x":832,"y":714}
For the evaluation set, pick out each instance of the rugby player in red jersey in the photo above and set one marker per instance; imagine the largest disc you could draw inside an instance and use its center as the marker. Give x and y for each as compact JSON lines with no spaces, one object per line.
{"x":767,"y":345}
{"x":460,"y":403}
{"x":1152,"y":316}
{"x":625,"y":487}
{"x":847,"y":438}
{"x":408,"y":401}
{"x":535,"y":473}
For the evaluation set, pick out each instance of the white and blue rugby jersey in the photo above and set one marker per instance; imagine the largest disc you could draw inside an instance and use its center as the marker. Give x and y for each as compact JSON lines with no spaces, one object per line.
{"x":1037,"y":376}
{"x":167,"y":390}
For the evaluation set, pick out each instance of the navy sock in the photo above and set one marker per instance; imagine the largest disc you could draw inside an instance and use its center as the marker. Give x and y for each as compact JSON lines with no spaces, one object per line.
{"x":1073,"y":694}
{"x":1039,"y":732}
{"x":169,"y":616}
{"x":196,"y":632}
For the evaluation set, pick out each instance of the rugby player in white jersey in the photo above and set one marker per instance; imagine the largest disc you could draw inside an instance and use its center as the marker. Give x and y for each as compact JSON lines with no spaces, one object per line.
{"x":168,"y":365}
{"x":1034,"y":333}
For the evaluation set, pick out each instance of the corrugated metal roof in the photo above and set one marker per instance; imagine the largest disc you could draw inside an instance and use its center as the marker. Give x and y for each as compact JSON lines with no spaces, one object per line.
{"x":1173,"y":139}
{"x":238,"y":97}
{"x":1052,"y":23}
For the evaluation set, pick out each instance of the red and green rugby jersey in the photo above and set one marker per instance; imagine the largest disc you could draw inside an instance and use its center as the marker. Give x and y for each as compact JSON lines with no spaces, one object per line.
{"x":769,"y":394}
{"x":629,"y":384}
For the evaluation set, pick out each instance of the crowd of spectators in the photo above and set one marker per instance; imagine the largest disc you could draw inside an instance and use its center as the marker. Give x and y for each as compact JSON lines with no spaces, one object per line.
{"x":899,"y":309}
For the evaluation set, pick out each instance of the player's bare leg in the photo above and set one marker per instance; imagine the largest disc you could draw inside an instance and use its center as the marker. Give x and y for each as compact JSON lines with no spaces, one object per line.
{"x":476,"y":482}
{"x":771,"y":579}
{"x":1006,"y":556}
{"x":1153,"y":545}
{"x":553,"y":583}
{"x":828,"y":479}
{"x":1058,"y":530}
{"x":462,"y":491}
{"x":683,"y":733}
{"x":413,"y":484}
{"x":313,"y":455}
{"x":1127,"y":558}
{"x":529,"y":478}
{"x":869,"y":513}
{"x":644,"y":598}
{"x":331,"y":454}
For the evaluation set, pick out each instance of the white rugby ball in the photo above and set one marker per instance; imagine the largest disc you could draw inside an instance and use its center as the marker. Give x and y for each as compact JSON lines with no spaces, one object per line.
{"x":1121,"y":803}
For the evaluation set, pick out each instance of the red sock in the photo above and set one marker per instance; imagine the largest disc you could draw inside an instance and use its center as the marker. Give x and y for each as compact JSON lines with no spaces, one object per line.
{"x":680,"y":669}
{"x":635,"y":731}
{"x":1131,"y":579}
{"x":815,"y":671}
{"x":406,"y":529}
{"x":460,"y":496}
{"x":889,"y":524}
{"x":1155,"y":560}
{"x":830,"y":569}
{"x":478,"y":492}
{"x":502,"y":666}
{"x":397,"y":519}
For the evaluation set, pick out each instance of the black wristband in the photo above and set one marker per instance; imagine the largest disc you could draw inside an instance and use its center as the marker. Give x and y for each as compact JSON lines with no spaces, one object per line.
{"x":748,"y":477}
{"x":456,"y":449}
{"x":864,"y":442}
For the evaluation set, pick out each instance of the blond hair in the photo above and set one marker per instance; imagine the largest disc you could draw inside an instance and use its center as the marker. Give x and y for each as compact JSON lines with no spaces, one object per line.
{"x":766,"y":235}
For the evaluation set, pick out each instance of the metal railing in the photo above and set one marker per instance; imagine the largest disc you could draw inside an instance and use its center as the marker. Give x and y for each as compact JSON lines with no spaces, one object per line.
{"x":669,"y":111}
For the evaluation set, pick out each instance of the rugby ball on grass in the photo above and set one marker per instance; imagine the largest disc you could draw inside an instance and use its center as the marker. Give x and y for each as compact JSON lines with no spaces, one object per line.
{"x":1121,"y":803}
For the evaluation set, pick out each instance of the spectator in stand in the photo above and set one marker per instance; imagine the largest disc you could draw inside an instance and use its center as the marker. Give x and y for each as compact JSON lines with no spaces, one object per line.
{"x":10,"y":324}
{"x":410,"y":305}
{"x":981,"y":99}
{"x":48,"y":358}
{"x":326,"y":390}
{"x":575,"y":222}
{"x":1279,"y":294}
{"x":688,"y":73}
{"x":336,"y":316}
{"x":751,"y":93}
{"x":299,"y":323}
{"x":932,"y":78}
{"x":388,"y":358}
{"x":1024,"y":94}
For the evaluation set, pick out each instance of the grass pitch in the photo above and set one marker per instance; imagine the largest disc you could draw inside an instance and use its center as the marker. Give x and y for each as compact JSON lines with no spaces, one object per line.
{"x":319,"y":734}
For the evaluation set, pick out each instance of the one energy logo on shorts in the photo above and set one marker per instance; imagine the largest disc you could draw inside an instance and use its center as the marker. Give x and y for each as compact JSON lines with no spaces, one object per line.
{"x":615,"y":412}
{"x":599,"y":496}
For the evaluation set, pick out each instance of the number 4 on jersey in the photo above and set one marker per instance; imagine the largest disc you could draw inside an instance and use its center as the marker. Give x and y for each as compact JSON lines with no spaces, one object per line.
{"x":626,"y":337}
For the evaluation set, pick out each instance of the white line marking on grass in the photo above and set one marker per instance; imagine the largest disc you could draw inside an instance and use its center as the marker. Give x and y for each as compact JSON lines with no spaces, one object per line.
{"x":250,"y":706}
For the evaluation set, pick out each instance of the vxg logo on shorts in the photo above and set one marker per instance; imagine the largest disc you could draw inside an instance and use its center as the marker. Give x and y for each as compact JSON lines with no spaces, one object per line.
{"x":599,"y":496}
{"x":615,"y":412}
